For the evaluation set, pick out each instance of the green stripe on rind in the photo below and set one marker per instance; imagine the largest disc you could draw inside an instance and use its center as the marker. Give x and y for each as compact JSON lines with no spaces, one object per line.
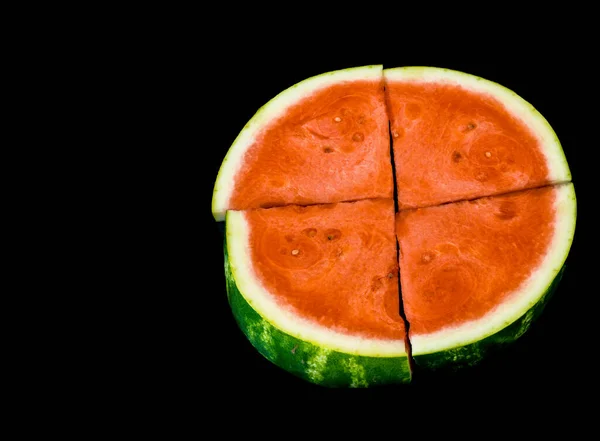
{"x":312,"y":363}
{"x":469,"y":355}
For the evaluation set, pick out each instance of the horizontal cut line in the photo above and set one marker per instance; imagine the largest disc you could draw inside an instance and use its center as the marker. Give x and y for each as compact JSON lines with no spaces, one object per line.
{"x":346,"y":201}
{"x":491,"y":195}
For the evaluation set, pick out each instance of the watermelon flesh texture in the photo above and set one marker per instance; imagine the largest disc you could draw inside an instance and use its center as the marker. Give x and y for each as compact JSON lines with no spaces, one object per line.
{"x":326,"y":140}
{"x":332,"y":146}
{"x":315,"y":290}
{"x":458,"y":137}
{"x":471,"y":269}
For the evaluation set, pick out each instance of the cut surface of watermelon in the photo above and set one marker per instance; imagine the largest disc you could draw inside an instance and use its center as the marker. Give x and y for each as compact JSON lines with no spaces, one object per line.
{"x":323,"y":140}
{"x":457,"y":136}
{"x":486,"y":220}
{"x":470,"y":269}
{"x":326,"y":278}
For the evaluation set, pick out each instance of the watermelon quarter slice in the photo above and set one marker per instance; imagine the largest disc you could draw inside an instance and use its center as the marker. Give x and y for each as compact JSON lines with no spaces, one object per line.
{"x":315,"y":290}
{"x":457,"y":136}
{"x":474,"y":274}
{"x":323,"y":140}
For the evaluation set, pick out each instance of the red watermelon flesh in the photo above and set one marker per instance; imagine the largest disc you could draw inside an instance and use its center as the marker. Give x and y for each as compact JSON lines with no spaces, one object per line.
{"x":459,"y":138}
{"x":334,"y":265}
{"x":331,"y":146}
{"x":460,"y":262}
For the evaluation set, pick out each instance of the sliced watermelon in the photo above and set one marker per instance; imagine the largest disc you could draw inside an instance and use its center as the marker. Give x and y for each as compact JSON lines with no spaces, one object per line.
{"x":487,"y":217}
{"x":457,"y":136}
{"x":477,"y":273}
{"x":315,"y":290}
{"x":323,"y":140}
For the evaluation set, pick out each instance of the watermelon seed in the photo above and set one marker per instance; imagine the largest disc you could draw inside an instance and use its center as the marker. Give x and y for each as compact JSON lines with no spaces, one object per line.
{"x":337,"y":119}
{"x":376,"y":285}
{"x":488,"y":154}
{"x":481,"y":176}
{"x":456,"y":156}
{"x":358,"y":137}
{"x":310,"y":232}
{"x":333,"y":234}
{"x":390,"y":275}
{"x":507,"y":211}
{"x":295,"y":252}
{"x":427,"y":257}
{"x":471,"y":126}
{"x":398,"y":133}
{"x":327,"y":149}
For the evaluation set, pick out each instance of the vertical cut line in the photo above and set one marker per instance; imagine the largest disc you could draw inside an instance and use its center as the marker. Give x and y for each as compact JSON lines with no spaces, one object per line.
{"x":393,"y":169}
{"x":391,"y":138}
{"x":407,"y":343}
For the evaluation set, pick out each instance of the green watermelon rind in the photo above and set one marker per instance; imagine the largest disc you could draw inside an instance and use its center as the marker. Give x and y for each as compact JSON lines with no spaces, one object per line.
{"x":472,"y":354}
{"x":269,"y":112}
{"x":316,"y":364}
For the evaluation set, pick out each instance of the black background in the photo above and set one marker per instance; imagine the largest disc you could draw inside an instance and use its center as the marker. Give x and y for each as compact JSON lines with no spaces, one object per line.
{"x":552,"y":359}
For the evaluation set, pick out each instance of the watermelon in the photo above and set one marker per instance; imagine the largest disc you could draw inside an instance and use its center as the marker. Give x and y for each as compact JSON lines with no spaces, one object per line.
{"x":457,"y":136}
{"x":323,"y":140}
{"x":475,"y":274}
{"x":315,"y":290}
{"x":330,"y":283}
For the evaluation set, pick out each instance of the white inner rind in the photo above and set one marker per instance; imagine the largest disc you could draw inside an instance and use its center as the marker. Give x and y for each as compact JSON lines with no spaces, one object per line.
{"x":259,"y":298}
{"x":275,"y":108}
{"x":558,"y":168}
{"x":522,"y":299}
